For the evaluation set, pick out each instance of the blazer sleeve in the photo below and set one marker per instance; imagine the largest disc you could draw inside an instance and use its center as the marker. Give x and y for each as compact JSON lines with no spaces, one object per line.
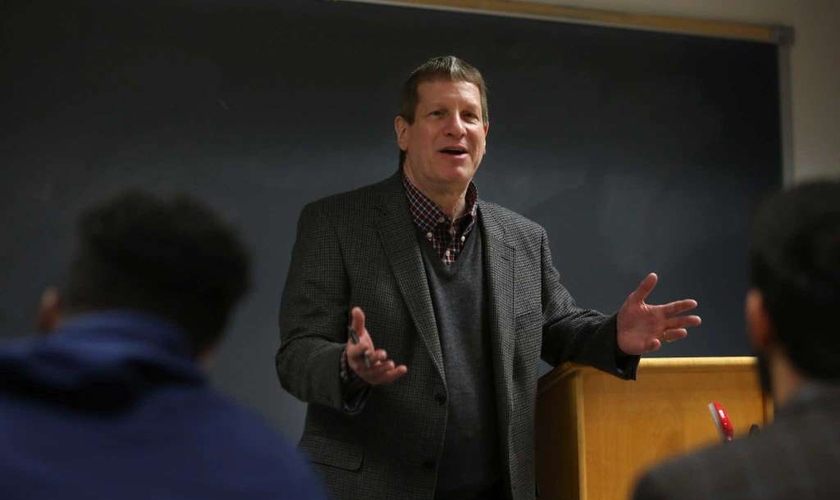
{"x":571,"y":333}
{"x":314,"y":314}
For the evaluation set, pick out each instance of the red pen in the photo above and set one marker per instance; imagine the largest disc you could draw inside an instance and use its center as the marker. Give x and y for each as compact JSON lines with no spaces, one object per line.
{"x":722,"y":422}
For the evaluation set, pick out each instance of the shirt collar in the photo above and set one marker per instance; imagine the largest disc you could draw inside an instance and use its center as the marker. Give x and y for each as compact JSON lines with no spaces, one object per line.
{"x":426,"y":214}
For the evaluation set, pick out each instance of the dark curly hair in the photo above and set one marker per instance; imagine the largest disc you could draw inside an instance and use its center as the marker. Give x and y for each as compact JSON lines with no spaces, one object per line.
{"x":172,"y":257}
{"x":795,"y":264}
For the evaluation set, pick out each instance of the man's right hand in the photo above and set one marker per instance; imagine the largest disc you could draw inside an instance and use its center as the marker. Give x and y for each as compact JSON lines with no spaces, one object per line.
{"x":378,"y":369}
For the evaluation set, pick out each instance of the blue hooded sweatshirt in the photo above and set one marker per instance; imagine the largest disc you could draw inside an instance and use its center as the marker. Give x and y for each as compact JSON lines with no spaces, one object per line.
{"x":113,"y":407}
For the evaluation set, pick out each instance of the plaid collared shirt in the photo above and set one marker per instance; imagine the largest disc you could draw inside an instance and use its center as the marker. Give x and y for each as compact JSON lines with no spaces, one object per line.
{"x":446,"y":236}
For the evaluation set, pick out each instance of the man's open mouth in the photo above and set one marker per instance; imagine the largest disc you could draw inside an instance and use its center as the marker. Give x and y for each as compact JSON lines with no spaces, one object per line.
{"x":455,"y":150}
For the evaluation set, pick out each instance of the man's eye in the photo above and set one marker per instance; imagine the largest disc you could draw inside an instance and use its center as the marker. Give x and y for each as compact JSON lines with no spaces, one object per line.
{"x":436,"y":113}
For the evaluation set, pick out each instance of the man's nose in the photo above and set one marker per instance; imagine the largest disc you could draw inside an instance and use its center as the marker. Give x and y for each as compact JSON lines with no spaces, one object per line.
{"x":455,"y":126}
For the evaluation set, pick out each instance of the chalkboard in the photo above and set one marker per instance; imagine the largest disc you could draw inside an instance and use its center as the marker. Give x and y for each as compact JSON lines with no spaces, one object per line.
{"x":638,"y":151}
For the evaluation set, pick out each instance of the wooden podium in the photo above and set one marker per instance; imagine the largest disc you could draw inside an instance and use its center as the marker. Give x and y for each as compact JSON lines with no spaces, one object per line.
{"x":595,"y":433}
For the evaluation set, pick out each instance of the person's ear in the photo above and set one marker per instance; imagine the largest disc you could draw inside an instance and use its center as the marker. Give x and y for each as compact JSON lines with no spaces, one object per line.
{"x":206,"y":358}
{"x":759,"y":326}
{"x":49,"y":311}
{"x":401,"y":126}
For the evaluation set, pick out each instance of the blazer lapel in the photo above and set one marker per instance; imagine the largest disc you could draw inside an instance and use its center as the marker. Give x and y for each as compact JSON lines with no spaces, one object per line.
{"x":399,"y":240}
{"x":499,"y":268}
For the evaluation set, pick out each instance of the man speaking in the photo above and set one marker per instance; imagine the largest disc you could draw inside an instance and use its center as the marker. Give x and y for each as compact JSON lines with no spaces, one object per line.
{"x":414,"y":316}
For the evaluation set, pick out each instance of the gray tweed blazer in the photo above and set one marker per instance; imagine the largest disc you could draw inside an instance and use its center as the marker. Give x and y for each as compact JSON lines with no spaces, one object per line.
{"x":797,"y":457}
{"x":360,"y":248}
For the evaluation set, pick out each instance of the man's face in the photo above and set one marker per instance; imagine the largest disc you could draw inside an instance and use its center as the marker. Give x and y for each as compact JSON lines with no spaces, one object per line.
{"x":446,"y":142}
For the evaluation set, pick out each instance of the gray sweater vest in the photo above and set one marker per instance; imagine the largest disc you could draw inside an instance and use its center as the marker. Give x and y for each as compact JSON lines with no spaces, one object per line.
{"x":470,"y":460}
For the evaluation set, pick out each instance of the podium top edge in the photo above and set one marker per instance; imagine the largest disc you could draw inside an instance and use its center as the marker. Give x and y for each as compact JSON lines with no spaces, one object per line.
{"x":648,"y":365}
{"x":699,"y":362}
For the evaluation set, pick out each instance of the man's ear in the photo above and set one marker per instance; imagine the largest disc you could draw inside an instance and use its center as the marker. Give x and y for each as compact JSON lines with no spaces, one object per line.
{"x":49,"y":310}
{"x":759,"y":326}
{"x":401,"y":126}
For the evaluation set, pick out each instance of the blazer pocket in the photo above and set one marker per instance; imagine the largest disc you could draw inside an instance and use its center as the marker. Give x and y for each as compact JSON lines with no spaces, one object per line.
{"x":325,"y":451}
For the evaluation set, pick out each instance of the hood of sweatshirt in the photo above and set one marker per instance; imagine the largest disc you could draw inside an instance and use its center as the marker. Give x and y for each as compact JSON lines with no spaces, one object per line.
{"x":98,"y":361}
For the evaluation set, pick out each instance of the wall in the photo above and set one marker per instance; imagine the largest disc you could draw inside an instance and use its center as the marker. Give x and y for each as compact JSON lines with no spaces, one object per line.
{"x":814,"y":64}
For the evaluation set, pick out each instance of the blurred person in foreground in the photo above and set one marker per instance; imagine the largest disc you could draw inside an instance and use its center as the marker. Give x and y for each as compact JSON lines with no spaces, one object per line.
{"x":791,"y":309}
{"x":113,"y":403}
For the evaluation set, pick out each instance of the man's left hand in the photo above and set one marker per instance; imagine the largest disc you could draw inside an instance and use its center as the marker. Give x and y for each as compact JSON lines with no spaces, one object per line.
{"x":644,"y":327}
